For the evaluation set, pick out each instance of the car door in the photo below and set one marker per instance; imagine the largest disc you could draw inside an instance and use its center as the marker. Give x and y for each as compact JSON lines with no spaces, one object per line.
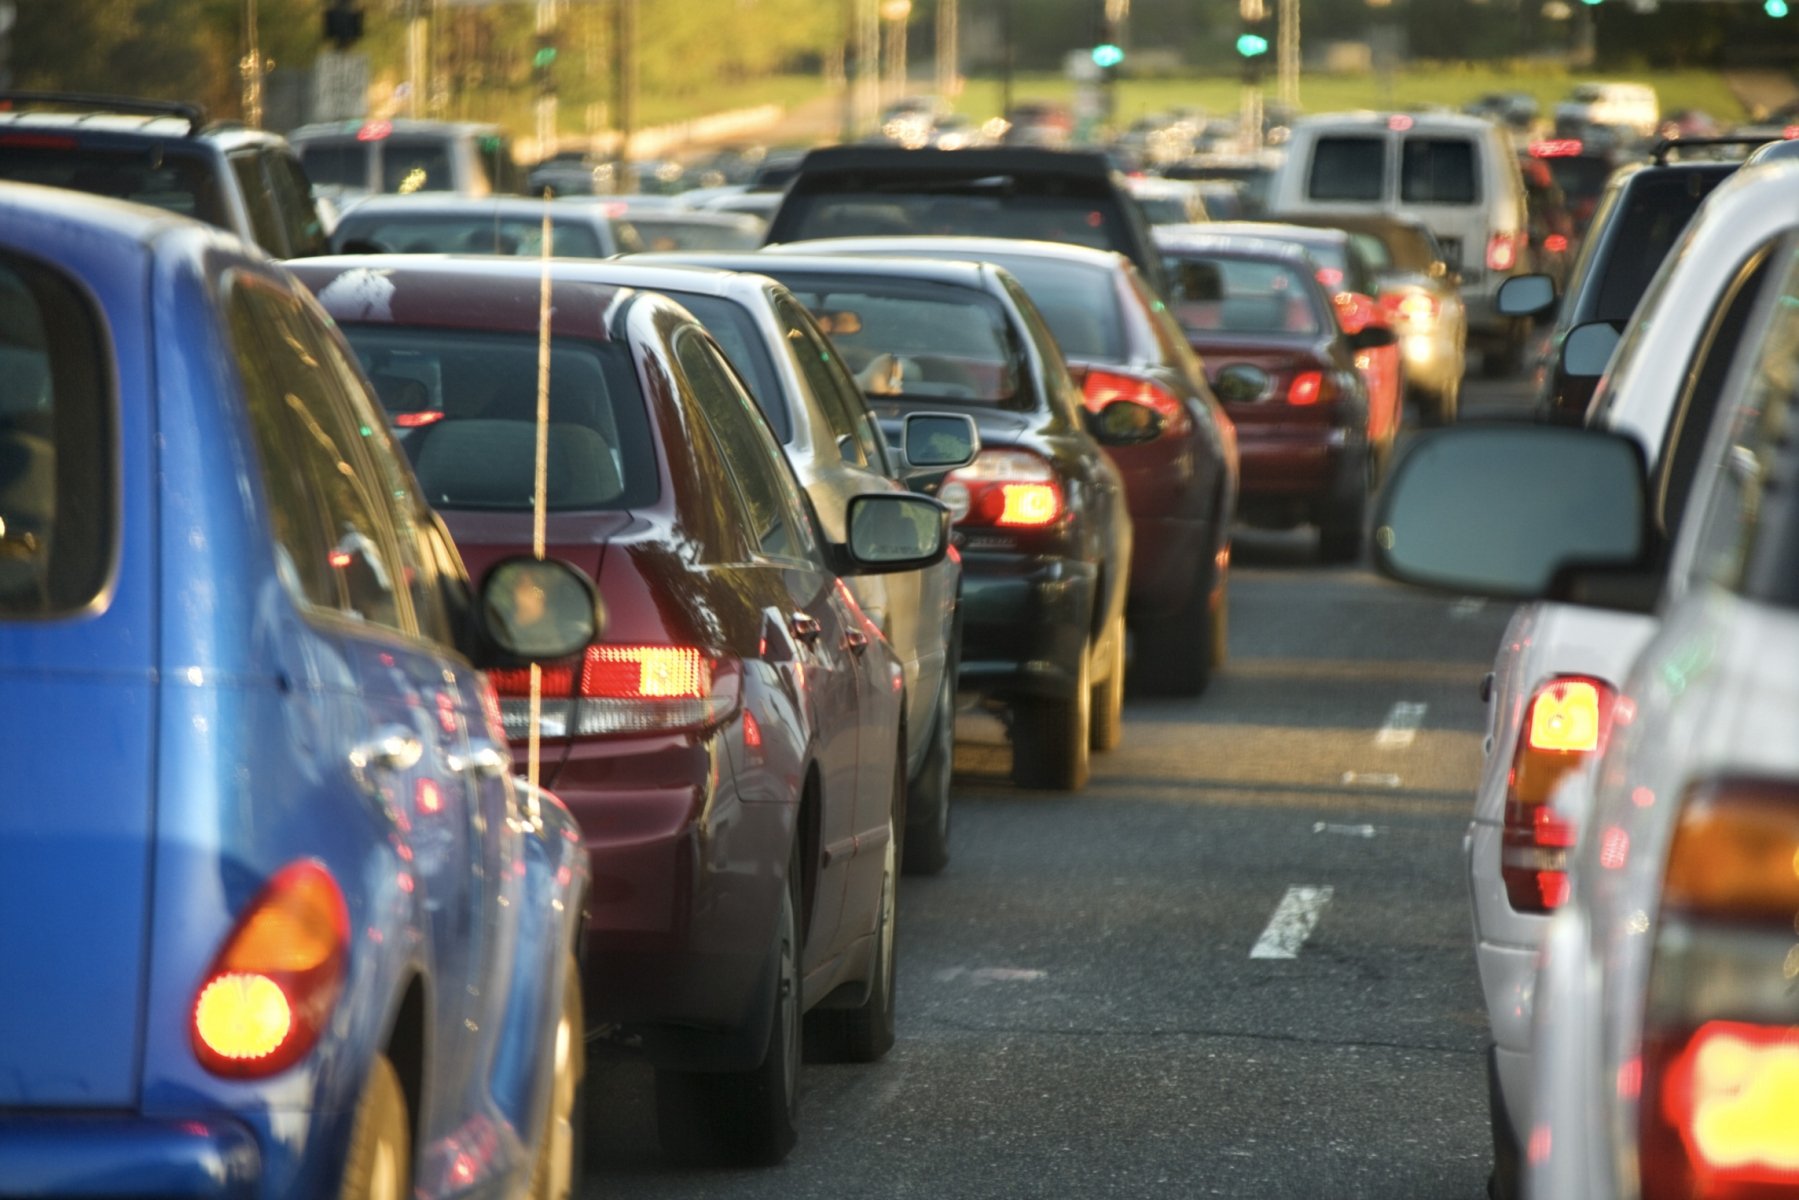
{"x":810,"y":604}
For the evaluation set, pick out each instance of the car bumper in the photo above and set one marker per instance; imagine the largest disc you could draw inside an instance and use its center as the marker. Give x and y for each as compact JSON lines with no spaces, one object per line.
{"x":1302,"y":462}
{"x":109,"y":1157}
{"x":1025,"y":624}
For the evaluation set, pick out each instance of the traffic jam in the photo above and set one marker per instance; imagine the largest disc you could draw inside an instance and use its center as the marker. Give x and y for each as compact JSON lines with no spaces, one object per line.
{"x":973,"y":663}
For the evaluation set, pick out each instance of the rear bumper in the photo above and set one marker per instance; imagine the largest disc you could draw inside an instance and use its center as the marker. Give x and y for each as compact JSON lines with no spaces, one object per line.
{"x":1291,"y":462}
{"x":1025,"y":624}
{"x":111,"y":1157}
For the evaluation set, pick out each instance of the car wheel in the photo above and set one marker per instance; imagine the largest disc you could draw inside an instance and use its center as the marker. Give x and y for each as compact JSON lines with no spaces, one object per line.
{"x":1343,"y":524}
{"x":557,"y":1170}
{"x":747,"y":1118}
{"x":926,"y":848}
{"x":379,"y":1165}
{"x":864,"y":1034}
{"x":1106,"y":727}
{"x":1051,"y":738}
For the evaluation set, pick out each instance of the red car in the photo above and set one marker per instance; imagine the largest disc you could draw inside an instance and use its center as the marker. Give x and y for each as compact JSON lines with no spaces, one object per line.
{"x":734,"y":750}
{"x":1286,"y":374}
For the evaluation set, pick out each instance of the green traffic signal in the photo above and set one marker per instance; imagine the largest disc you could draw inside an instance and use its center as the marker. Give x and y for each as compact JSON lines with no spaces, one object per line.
{"x":1775,"y":8}
{"x":544,"y":57}
{"x":1107,"y":54}
{"x":1252,"y":45}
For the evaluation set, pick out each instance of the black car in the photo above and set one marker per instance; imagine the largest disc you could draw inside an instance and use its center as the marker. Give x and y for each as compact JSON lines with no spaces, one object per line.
{"x":1041,"y":521}
{"x":165,"y":155}
{"x":1007,"y":191}
{"x":1640,"y":217}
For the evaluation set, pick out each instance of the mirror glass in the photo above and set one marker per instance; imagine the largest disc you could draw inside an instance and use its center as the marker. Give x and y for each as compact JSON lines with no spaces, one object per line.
{"x":1501,"y":510}
{"x":897,"y":531}
{"x":1587,"y":352}
{"x":1242,"y":383}
{"x":1526,"y":295}
{"x":1126,"y":423}
{"x":941,"y":440}
{"x":540,"y":609}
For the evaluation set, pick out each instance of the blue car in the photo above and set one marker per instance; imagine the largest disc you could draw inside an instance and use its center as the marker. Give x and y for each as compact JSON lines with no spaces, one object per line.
{"x":276,"y":919}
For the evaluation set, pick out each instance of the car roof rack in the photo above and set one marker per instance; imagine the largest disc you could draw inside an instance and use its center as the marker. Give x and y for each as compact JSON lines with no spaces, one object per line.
{"x":1667,"y":146}
{"x":97,"y":104}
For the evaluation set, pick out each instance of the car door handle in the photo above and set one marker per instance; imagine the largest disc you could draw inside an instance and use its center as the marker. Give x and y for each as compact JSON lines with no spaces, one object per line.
{"x":805,"y":627}
{"x":483,"y":759}
{"x":392,"y":748}
{"x":855,"y":641}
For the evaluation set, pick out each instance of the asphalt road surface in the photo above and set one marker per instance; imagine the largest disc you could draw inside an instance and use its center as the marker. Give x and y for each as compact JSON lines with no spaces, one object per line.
{"x":1238,"y":964}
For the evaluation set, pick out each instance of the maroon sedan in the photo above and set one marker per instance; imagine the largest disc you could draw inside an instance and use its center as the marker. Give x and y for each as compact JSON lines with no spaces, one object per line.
{"x":733,"y":751}
{"x":1286,"y":374}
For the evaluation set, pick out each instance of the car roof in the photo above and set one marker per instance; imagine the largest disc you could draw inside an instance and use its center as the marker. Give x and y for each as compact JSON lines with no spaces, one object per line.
{"x":933,"y":270}
{"x":977,"y":249}
{"x":1233,"y":245}
{"x":453,"y":203}
{"x":472,"y":292}
{"x":1382,"y":121}
{"x":1271,"y":230}
{"x":1363,"y":222}
{"x":937,"y":163}
{"x":397,"y":127}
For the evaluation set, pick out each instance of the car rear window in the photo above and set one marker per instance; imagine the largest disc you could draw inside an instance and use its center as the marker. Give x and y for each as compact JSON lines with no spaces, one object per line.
{"x":1218,"y":294}
{"x":463,"y":233}
{"x":411,"y":164}
{"x":56,"y":417}
{"x":919,"y":340}
{"x":1654,"y":212}
{"x":179,"y":182}
{"x":335,"y":163}
{"x":666,"y":233}
{"x":1579,"y":177}
{"x":1006,"y":210}
{"x":480,"y":453}
{"x":1079,"y":303}
{"x":1438,"y":171}
{"x":1347,"y":168}
{"x":734,"y":329}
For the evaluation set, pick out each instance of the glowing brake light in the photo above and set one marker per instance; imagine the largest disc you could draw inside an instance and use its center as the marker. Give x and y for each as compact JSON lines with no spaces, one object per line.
{"x":375,"y":131}
{"x":1101,"y":387}
{"x":1556,"y":148}
{"x":1565,"y":725}
{"x":1412,"y":306}
{"x":415,"y":420}
{"x":1556,"y":243}
{"x":646,"y":672}
{"x":1330,"y":277}
{"x":270,"y":991}
{"x":1502,"y":250}
{"x":1312,"y":387}
{"x":1008,"y":489}
{"x":1734,"y":1096}
{"x":622,"y":689}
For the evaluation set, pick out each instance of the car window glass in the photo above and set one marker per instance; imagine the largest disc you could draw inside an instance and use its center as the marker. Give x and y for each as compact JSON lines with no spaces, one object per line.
{"x":321,"y":439}
{"x":733,"y":327}
{"x":466,"y":233}
{"x":299,"y":215}
{"x":1079,"y":212}
{"x":1076,"y":300}
{"x":1059,"y":388}
{"x":1242,"y":295}
{"x":751,"y":454}
{"x":1438,"y":171}
{"x":1655,"y":213}
{"x":178,"y":178}
{"x":845,"y":410}
{"x":56,"y":472}
{"x":410,"y":164}
{"x":259,"y":200}
{"x":334,"y":163}
{"x":1347,"y":168}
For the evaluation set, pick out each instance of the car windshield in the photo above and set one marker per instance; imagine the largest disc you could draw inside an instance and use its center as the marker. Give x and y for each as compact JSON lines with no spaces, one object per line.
{"x":465,"y":406}
{"x":1079,"y":220}
{"x":914,"y":339}
{"x":464,"y":233}
{"x":172,"y":179}
{"x":1218,"y":294}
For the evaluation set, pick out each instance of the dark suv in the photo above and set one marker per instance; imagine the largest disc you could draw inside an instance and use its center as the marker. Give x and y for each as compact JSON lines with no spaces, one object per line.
{"x":165,"y":155}
{"x":1640,"y":217}
{"x":1009,"y":192}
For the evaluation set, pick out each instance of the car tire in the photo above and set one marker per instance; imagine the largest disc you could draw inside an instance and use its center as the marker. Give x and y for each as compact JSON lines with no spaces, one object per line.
{"x":864,"y":1034}
{"x":1342,"y":526}
{"x":379,"y":1164}
{"x":1106,"y":727}
{"x":556,"y":1173}
{"x":1052,"y":739}
{"x":926,"y":847}
{"x":744,"y":1118}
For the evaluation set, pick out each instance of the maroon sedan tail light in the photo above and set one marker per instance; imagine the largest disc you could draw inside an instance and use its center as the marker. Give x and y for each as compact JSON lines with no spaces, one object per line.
{"x":1313,"y":387}
{"x":1007,"y":489}
{"x":1717,"y":1085}
{"x":1101,"y":387}
{"x":622,"y":689}
{"x":1565,"y":727}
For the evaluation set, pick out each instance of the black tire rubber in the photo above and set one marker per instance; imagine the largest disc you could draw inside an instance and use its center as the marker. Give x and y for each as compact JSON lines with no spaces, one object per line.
{"x":864,"y":1034}
{"x":926,"y":847}
{"x":379,"y":1163}
{"x":744,"y":1118}
{"x":556,"y":1171}
{"x":1105,"y":727}
{"x":1051,"y":739}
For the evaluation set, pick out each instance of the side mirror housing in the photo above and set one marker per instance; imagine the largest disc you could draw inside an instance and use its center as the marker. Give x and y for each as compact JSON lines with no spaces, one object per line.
{"x":1516,"y":512}
{"x":1373,"y":337}
{"x":938,"y":443}
{"x":1587,"y":350}
{"x":892,"y":531}
{"x":1125,"y":423}
{"x":532,"y":610}
{"x":1525,"y":295}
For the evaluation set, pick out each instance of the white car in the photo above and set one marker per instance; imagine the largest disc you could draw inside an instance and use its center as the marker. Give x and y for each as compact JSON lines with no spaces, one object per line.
{"x":1563,"y":662}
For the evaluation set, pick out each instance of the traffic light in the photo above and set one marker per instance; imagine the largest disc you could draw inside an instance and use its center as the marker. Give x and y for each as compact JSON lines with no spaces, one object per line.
{"x":1252,"y":49}
{"x":1107,"y":55}
{"x":1775,"y":8}
{"x":543,"y":64}
{"x":1251,"y":45}
{"x":343,"y":24}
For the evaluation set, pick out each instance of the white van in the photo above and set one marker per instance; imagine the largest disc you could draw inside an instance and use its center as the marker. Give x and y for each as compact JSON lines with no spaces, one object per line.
{"x":1456,"y":175}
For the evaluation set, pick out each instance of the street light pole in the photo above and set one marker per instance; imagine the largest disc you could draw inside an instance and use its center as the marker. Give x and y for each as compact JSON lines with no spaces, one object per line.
{"x":251,"y":68}
{"x":949,"y":66}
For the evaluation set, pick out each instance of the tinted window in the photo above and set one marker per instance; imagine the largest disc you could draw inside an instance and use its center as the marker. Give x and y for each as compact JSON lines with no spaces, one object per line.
{"x":921,"y":340}
{"x":734,"y":329}
{"x":1078,"y":301}
{"x":465,"y":233}
{"x":1438,"y":171}
{"x":1026,"y":213}
{"x":844,"y":407}
{"x":177,"y":181}
{"x":259,"y":199}
{"x":336,"y":163}
{"x":56,"y":490}
{"x":1240,"y":295}
{"x":658,"y":233}
{"x":416,"y":165}
{"x":1348,"y":168}
{"x":482,"y":453}
{"x":1651,"y":216}
{"x":1579,"y":177}
{"x":299,"y":215}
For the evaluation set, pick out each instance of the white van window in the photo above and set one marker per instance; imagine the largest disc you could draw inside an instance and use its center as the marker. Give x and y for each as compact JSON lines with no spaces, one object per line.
{"x":1348,"y":168}
{"x":1438,"y":171}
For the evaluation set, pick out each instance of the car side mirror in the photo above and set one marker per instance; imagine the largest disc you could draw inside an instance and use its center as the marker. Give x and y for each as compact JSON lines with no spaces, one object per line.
{"x":1587,"y":350}
{"x":537,"y":610}
{"x":1373,"y":337}
{"x":937,"y":443}
{"x":1525,"y":295}
{"x":892,"y":531}
{"x":1125,"y":423}
{"x":1516,"y":512}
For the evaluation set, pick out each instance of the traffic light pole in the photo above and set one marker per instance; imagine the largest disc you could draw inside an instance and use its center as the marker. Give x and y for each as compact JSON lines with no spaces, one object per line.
{"x":1252,"y":47}
{"x":546,"y":87}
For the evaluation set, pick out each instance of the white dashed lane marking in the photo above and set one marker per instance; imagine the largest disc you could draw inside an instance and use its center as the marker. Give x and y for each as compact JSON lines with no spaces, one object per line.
{"x":1401,"y":726}
{"x":1292,"y":922}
